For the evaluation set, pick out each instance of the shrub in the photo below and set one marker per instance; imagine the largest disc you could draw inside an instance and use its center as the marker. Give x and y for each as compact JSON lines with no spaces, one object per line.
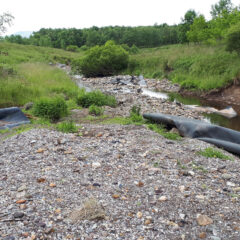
{"x":72,"y":48}
{"x":233,"y":38}
{"x":95,"y":110}
{"x":50,"y":108}
{"x":102,"y":61}
{"x":134,"y":49}
{"x":96,"y":98}
{"x":67,"y":127}
{"x":84,"y":48}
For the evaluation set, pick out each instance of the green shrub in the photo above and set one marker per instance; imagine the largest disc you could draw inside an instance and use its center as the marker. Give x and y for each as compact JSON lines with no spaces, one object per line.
{"x":84,"y":48}
{"x":72,"y":48}
{"x":96,"y":110}
{"x":67,"y":127}
{"x":50,"y":108}
{"x":233,"y":39}
{"x":134,"y":49}
{"x":102,"y":61}
{"x":96,"y":98}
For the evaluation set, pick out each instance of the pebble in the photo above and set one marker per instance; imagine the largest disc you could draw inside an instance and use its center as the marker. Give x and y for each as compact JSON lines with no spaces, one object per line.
{"x":18,"y":215}
{"x":96,"y":164}
{"x":204,"y":220}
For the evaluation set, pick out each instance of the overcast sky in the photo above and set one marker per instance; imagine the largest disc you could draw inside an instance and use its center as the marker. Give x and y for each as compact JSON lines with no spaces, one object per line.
{"x":31,"y":15}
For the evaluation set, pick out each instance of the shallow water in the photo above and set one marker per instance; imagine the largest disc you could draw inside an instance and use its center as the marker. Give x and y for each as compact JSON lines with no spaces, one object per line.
{"x":214,"y":118}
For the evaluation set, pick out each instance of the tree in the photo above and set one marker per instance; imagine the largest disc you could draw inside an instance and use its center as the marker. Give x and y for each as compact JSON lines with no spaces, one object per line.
{"x":5,"y":19}
{"x":199,"y":31}
{"x":233,"y":39}
{"x":184,"y":27}
{"x":223,"y":6}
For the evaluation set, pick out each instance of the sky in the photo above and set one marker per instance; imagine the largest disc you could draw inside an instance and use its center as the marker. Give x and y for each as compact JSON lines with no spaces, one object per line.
{"x":31,"y":15}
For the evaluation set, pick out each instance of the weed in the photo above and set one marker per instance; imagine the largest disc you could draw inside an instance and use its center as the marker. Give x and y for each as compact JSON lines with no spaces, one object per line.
{"x":50,"y":108}
{"x":213,"y":153}
{"x":95,"y":110}
{"x":198,"y":167}
{"x":182,"y":166}
{"x":96,"y":98}
{"x":67,"y":127}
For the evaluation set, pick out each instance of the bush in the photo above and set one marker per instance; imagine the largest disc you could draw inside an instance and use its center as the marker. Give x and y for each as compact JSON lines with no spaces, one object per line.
{"x":72,"y":48}
{"x":233,"y":39}
{"x":102,"y":61}
{"x":95,"y":110}
{"x":134,"y":49}
{"x":67,"y":127}
{"x":50,"y":108}
{"x":84,"y":48}
{"x":135,"y":115}
{"x":96,"y":98}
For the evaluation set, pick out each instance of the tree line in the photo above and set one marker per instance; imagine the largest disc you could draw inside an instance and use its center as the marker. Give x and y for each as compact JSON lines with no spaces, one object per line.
{"x":192,"y":28}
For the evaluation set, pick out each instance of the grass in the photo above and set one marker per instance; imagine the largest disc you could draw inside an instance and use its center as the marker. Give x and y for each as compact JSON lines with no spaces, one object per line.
{"x":67,"y":127}
{"x":95,"y":110}
{"x":213,"y":153}
{"x":160,"y":129}
{"x":195,"y":67}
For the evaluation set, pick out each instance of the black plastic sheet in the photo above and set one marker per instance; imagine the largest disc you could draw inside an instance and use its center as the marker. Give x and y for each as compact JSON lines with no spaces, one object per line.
{"x":12,"y":117}
{"x":225,"y":138}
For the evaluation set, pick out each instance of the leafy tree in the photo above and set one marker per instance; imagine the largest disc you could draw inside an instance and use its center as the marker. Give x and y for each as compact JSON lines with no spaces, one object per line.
{"x":233,"y":38}
{"x":223,"y":6}
{"x":199,"y":30}
{"x":5,"y":19}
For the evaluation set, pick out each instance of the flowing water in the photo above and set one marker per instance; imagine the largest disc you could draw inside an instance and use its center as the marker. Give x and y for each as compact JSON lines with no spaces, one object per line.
{"x":192,"y":102}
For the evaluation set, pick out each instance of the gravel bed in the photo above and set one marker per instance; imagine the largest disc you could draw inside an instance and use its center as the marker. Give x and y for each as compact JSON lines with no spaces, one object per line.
{"x":115,"y":182}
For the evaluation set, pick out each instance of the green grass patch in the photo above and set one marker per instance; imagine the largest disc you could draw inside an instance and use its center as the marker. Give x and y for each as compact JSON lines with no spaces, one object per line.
{"x":160,"y":129}
{"x":67,"y":127}
{"x":96,"y":98}
{"x":213,"y":153}
{"x":96,"y":110}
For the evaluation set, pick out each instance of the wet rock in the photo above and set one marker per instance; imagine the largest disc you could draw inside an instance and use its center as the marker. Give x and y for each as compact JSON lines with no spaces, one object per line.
{"x":18,"y":215}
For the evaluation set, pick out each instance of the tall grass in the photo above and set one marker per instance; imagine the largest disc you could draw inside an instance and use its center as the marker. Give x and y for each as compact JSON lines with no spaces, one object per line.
{"x":34,"y":81}
{"x":192,"y":66}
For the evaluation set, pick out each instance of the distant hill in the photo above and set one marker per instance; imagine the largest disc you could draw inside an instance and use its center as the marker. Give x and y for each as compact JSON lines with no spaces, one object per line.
{"x":24,"y":34}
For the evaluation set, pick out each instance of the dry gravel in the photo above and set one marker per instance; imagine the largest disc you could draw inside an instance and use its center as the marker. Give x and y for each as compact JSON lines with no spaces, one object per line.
{"x":115,"y":182}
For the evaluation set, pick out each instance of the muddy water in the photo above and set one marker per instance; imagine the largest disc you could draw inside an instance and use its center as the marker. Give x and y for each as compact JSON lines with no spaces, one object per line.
{"x":214,"y":118}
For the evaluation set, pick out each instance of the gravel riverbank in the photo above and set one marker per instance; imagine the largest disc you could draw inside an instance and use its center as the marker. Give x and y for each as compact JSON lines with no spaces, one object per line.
{"x":138,"y":184}
{"x":117,"y":182}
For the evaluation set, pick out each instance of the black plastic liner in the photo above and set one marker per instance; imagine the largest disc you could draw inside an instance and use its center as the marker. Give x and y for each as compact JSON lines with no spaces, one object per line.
{"x":12,"y":117}
{"x":221,"y":137}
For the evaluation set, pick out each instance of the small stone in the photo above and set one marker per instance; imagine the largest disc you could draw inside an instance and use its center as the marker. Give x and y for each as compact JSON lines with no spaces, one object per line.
{"x":23,"y":206}
{"x":96,"y":185}
{"x":162,"y":199}
{"x":226,"y":176}
{"x":237,"y":189}
{"x":22,"y":188}
{"x":200,"y":197}
{"x":52,"y":185}
{"x":202,"y":235}
{"x":139,"y":184}
{"x":25,"y":234}
{"x":49,"y":230}
{"x":182,"y":188}
{"x":40,"y":150}
{"x":21,"y":201}
{"x":215,"y":238}
{"x":230,"y":184}
{"x":139,"y":215}
{"x":18,"y":215}
{"x":204,"y":220}
{"x":191,"y":173}
{"x":96,"y":165}
{"x":41,"y":180}
{"x":42,"y":224}
{"x":115,"y":196}
{"x":147,"y":222}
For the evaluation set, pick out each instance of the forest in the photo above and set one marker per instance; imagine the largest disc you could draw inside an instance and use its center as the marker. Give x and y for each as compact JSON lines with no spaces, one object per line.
{"x":225,"y":18}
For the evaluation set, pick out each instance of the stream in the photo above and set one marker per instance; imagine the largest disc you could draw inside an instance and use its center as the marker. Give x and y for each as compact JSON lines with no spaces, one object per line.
{"x":195,"y":102}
